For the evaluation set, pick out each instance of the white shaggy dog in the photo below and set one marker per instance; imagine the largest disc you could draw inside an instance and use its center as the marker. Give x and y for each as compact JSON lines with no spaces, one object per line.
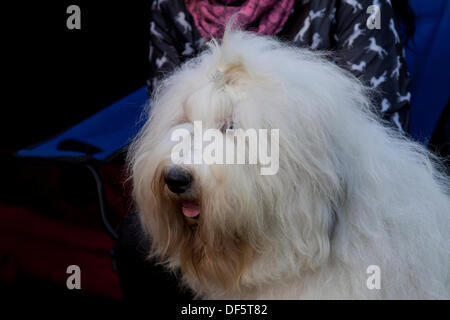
{"x":349,"y":193}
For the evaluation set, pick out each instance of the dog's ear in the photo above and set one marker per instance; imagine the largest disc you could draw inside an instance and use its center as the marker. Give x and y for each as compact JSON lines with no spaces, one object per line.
{"x":332,"y":224}
{"x":320,"y":244}
{"x":318,"y":224}
{"x":330,"y":220}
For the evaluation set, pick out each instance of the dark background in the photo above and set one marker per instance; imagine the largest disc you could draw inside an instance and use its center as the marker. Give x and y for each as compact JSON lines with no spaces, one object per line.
{"x":61,"y":76}
{"x":53,"y":78}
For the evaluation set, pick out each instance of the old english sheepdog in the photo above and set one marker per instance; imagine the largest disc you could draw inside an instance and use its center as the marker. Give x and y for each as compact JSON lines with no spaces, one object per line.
{"x":353,"y":210}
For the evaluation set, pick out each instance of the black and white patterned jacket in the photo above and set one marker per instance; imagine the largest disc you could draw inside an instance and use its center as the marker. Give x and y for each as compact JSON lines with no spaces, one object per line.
{"x":373,"y":55}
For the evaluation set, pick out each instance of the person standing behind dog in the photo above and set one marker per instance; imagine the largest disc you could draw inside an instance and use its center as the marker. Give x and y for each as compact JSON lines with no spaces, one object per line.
{"x":179,"y":30}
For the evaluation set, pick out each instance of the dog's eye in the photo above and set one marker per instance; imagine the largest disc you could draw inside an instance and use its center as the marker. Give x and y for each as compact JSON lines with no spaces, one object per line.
{"x":229,"y":125}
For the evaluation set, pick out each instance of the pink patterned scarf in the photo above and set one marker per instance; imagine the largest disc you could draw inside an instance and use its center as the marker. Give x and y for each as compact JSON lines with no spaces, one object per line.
{"x":261,"y":16}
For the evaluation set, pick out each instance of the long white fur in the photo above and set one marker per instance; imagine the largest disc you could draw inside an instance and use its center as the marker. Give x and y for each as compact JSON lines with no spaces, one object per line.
{"x":350,"y":192}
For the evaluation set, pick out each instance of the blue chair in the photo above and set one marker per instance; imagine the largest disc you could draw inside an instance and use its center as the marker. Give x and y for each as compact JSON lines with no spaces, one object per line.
{"x":93,"y":141}
{"x":427,"y":55}
{"x":99,"y":137}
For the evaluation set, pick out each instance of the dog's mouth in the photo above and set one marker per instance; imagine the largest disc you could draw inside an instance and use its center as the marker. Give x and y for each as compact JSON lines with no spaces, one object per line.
{"x":190,"y":209}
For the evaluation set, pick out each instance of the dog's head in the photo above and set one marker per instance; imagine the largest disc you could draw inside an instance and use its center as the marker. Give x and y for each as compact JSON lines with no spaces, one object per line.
{"x":217,"y":222}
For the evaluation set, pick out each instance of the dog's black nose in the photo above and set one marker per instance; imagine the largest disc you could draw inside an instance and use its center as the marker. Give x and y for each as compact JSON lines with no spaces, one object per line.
{"x":178,"y":179}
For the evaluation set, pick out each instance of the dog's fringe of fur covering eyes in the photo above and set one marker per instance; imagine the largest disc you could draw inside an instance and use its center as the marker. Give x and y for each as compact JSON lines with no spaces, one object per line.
{"x":349,"y":193}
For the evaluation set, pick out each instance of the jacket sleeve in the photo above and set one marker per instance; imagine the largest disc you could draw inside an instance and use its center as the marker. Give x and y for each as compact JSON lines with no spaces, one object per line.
{"x":172,"y":39}
{"x":375,"y":55}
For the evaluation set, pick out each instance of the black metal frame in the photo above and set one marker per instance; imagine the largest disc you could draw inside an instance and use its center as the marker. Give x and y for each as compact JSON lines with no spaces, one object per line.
{"x":103,"y":205}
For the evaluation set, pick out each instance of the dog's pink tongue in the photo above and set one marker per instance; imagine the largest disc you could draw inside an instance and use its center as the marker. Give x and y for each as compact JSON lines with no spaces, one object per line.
{"x":190,"y":209}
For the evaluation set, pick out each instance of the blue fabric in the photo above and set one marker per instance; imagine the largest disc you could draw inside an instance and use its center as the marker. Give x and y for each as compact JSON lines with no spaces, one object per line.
{"x":111,"y":129}
{"x":427,"y":57}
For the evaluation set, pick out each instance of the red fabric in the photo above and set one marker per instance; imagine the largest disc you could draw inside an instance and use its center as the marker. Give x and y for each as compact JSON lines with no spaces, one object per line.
{"x":41,"y":233}
{"x":43,"y":248}
{"x":265,"y":17}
